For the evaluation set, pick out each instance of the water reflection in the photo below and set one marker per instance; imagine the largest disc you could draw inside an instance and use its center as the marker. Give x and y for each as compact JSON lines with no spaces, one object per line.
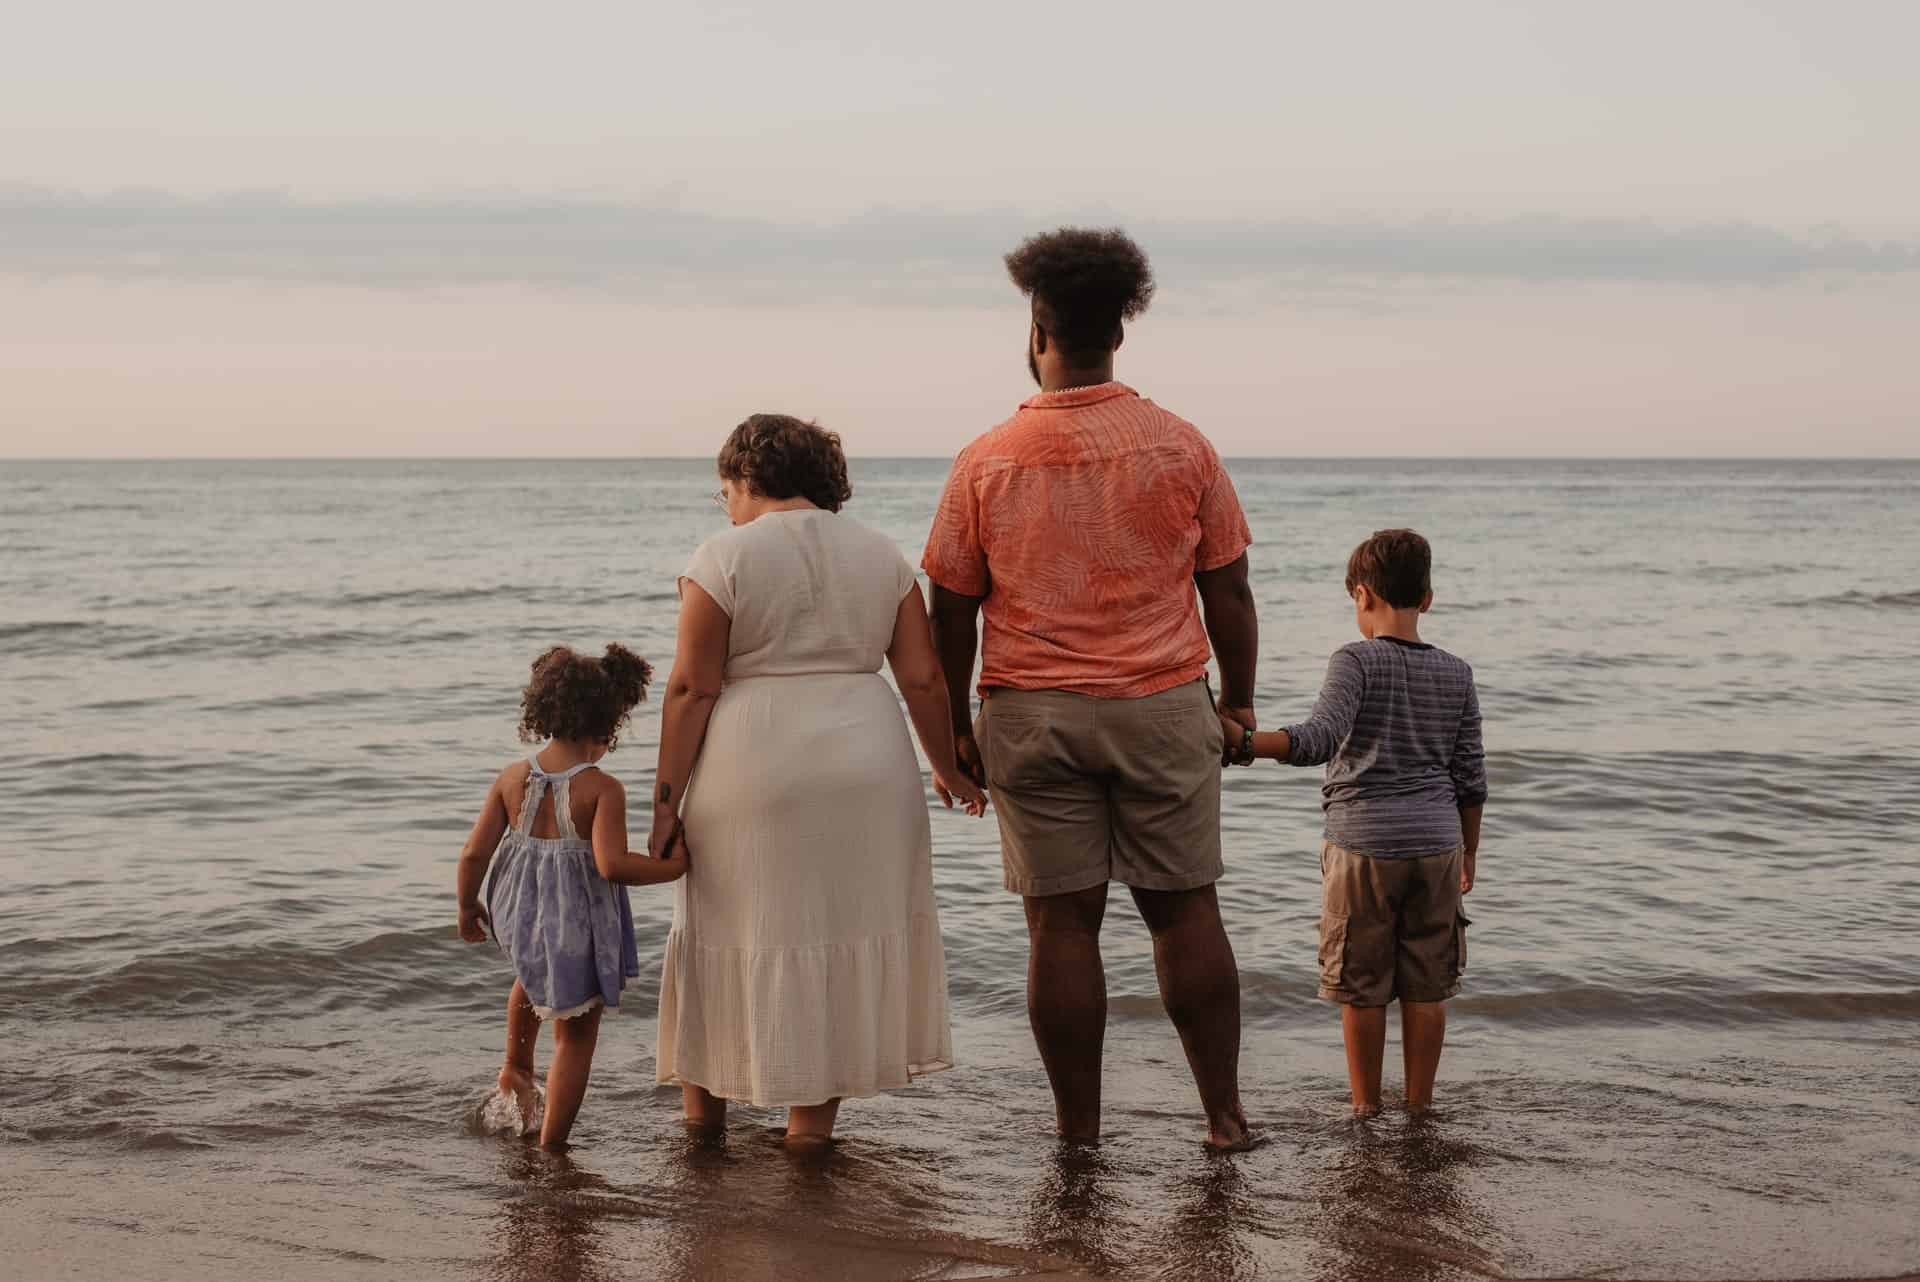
{"x":1074,"y":1210}
{"x":551,"y":1231}
{"x":1216,"y":1219}
{"x":1393,"y":1206}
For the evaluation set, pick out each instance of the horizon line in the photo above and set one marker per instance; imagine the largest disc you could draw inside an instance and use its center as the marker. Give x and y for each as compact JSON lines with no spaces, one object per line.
{"x":924,"y":458}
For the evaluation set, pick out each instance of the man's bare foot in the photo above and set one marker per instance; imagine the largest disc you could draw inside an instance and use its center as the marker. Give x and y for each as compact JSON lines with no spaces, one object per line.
{"x":1231,"y":1134}
{"x":1247,"y":1139}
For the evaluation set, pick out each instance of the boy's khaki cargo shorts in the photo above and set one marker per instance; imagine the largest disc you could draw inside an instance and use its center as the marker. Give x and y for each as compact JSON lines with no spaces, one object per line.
{"x":1094,"y":790}
{"x":1390,"y":928}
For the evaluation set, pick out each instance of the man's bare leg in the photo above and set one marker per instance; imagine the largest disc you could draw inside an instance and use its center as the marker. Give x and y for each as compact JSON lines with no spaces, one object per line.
{"x":1200,"y":987}
{"x":1364,"y":1029}
{"x":1067,"y":1002}
{"x":1423,"y":1032}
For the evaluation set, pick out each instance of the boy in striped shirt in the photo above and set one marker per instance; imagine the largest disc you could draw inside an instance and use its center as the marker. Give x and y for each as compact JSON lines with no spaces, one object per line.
{"x":1398,"y":726}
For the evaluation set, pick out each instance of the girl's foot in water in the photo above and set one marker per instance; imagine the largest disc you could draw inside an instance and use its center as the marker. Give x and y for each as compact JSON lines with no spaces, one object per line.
{"x":516,"y":1084}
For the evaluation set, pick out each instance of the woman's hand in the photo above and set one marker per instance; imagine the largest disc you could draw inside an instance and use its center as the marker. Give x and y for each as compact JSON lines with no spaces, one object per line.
{"x":951,"y":784}
{"x":667,"y":835}
{"x":474,"y":923}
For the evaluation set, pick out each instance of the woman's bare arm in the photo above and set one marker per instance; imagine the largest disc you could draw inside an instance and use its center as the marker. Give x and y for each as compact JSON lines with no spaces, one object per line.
{"x":923,"y":684}
{"x":699,"y":662}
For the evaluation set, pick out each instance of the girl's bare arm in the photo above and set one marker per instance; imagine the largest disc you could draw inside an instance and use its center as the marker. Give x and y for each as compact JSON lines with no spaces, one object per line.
{"x":610,"y":854}
{"x":474,"y":858}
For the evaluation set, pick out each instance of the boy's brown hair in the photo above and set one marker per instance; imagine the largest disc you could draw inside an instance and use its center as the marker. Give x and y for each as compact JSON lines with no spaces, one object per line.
{"x":573,"y":696}
{"x":1395,"y":565}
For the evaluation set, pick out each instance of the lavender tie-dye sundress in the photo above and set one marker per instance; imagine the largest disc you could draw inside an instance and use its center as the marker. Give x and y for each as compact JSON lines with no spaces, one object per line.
{"x":568,"y":930}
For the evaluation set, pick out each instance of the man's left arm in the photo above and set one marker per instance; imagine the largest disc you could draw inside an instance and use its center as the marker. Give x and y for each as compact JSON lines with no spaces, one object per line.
{"x":1233,"y":626}
{"x":1226,"y":599}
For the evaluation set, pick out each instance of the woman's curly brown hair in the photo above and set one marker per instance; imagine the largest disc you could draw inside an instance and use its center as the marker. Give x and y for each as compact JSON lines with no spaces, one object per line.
{"x":780,"y":457}
{"x":573,"y":696}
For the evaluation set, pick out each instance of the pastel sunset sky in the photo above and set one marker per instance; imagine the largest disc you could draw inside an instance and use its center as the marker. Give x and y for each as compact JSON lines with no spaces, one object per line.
{"x":1473,"y":228}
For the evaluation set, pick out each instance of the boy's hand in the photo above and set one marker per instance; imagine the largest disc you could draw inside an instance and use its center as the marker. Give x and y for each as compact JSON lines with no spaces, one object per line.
{"x":1466,"y":872}
{"x":474,"y":923}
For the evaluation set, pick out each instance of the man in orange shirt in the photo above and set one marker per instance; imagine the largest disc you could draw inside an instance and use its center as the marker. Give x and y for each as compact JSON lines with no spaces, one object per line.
{"x":1080,"y":528}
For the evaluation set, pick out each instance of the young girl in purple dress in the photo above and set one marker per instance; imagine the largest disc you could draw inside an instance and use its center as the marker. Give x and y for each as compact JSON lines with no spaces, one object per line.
{"x":554,"y":829}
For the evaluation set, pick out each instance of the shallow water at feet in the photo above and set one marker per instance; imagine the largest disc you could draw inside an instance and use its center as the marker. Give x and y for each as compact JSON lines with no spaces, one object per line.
{"x":253,"y":707}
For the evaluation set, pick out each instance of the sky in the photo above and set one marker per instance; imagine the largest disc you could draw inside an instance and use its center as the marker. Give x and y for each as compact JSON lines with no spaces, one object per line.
{"x":1478,"y":228}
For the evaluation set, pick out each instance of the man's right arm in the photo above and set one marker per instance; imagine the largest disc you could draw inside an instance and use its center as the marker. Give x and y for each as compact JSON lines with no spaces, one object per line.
{"x":956,"y":617}
{"x":956,"y":566}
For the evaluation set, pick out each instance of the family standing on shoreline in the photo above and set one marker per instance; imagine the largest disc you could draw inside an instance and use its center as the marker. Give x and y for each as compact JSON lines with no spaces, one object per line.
{"x":1101,"y":542}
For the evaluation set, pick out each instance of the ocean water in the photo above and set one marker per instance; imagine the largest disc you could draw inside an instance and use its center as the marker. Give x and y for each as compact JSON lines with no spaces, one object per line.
{"x":252,"y":707}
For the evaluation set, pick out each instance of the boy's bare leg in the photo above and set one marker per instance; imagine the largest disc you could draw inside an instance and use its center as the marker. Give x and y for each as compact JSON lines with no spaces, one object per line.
{"x":703,"y":1111}
{"x":811,"y":1123}
{"x":573,"y":1042}
{"x":1423,"y":1031}
{"x":523,"y":1030}
{"x":1200,"y":987}
{"x":1364,"y":1028}
{"x":1067,"y":1002}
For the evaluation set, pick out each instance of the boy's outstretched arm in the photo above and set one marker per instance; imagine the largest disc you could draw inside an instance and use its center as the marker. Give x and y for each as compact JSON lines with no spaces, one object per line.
{"x":474,"y":858}
{"x":610,"y":854}
{"x":1314,"y":741}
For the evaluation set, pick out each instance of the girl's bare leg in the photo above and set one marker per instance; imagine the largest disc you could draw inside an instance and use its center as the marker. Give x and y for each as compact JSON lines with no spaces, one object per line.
{"x":523,"y":1030}
{"x":573,"y":1042}
{"x":1364,"y":1028}
{"x":704,"y":1112}
{"x":1423,"y":1031}
{"x":811,"y":1123}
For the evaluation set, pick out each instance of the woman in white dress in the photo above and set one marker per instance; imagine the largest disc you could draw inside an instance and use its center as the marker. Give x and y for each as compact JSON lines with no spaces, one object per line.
{"x":805,"y":964}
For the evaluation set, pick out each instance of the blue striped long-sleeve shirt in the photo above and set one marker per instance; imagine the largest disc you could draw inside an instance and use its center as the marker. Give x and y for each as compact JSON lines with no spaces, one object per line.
{"x":1398,"y":725}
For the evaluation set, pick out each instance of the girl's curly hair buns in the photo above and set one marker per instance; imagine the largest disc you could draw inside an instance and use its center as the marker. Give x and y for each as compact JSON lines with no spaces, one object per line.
{"x":779,"y":457}
{"x":572,"y":696}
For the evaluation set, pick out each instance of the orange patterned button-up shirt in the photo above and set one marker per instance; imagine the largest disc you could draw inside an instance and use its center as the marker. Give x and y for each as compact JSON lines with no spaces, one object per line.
{"x":1082,"y":521}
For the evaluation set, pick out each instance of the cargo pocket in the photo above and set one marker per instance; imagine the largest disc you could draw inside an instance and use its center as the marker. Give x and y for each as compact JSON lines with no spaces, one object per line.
{"x":1333,"y":950}
{"x":1460,"y":924}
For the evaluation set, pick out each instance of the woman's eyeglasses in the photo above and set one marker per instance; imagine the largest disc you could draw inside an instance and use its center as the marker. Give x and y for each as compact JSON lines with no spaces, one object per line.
{"x":720,"y":497}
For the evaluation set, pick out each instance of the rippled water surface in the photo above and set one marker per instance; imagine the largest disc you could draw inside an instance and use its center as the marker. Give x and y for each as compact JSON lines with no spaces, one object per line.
{"x":252,"y":707}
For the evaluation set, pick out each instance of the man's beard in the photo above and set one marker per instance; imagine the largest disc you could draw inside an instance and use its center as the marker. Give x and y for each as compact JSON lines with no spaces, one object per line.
{"x":1033,"y":366}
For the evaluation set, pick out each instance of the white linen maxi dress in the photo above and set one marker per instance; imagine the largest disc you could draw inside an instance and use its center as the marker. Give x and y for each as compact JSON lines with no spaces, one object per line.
{"x":805,"y":961}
